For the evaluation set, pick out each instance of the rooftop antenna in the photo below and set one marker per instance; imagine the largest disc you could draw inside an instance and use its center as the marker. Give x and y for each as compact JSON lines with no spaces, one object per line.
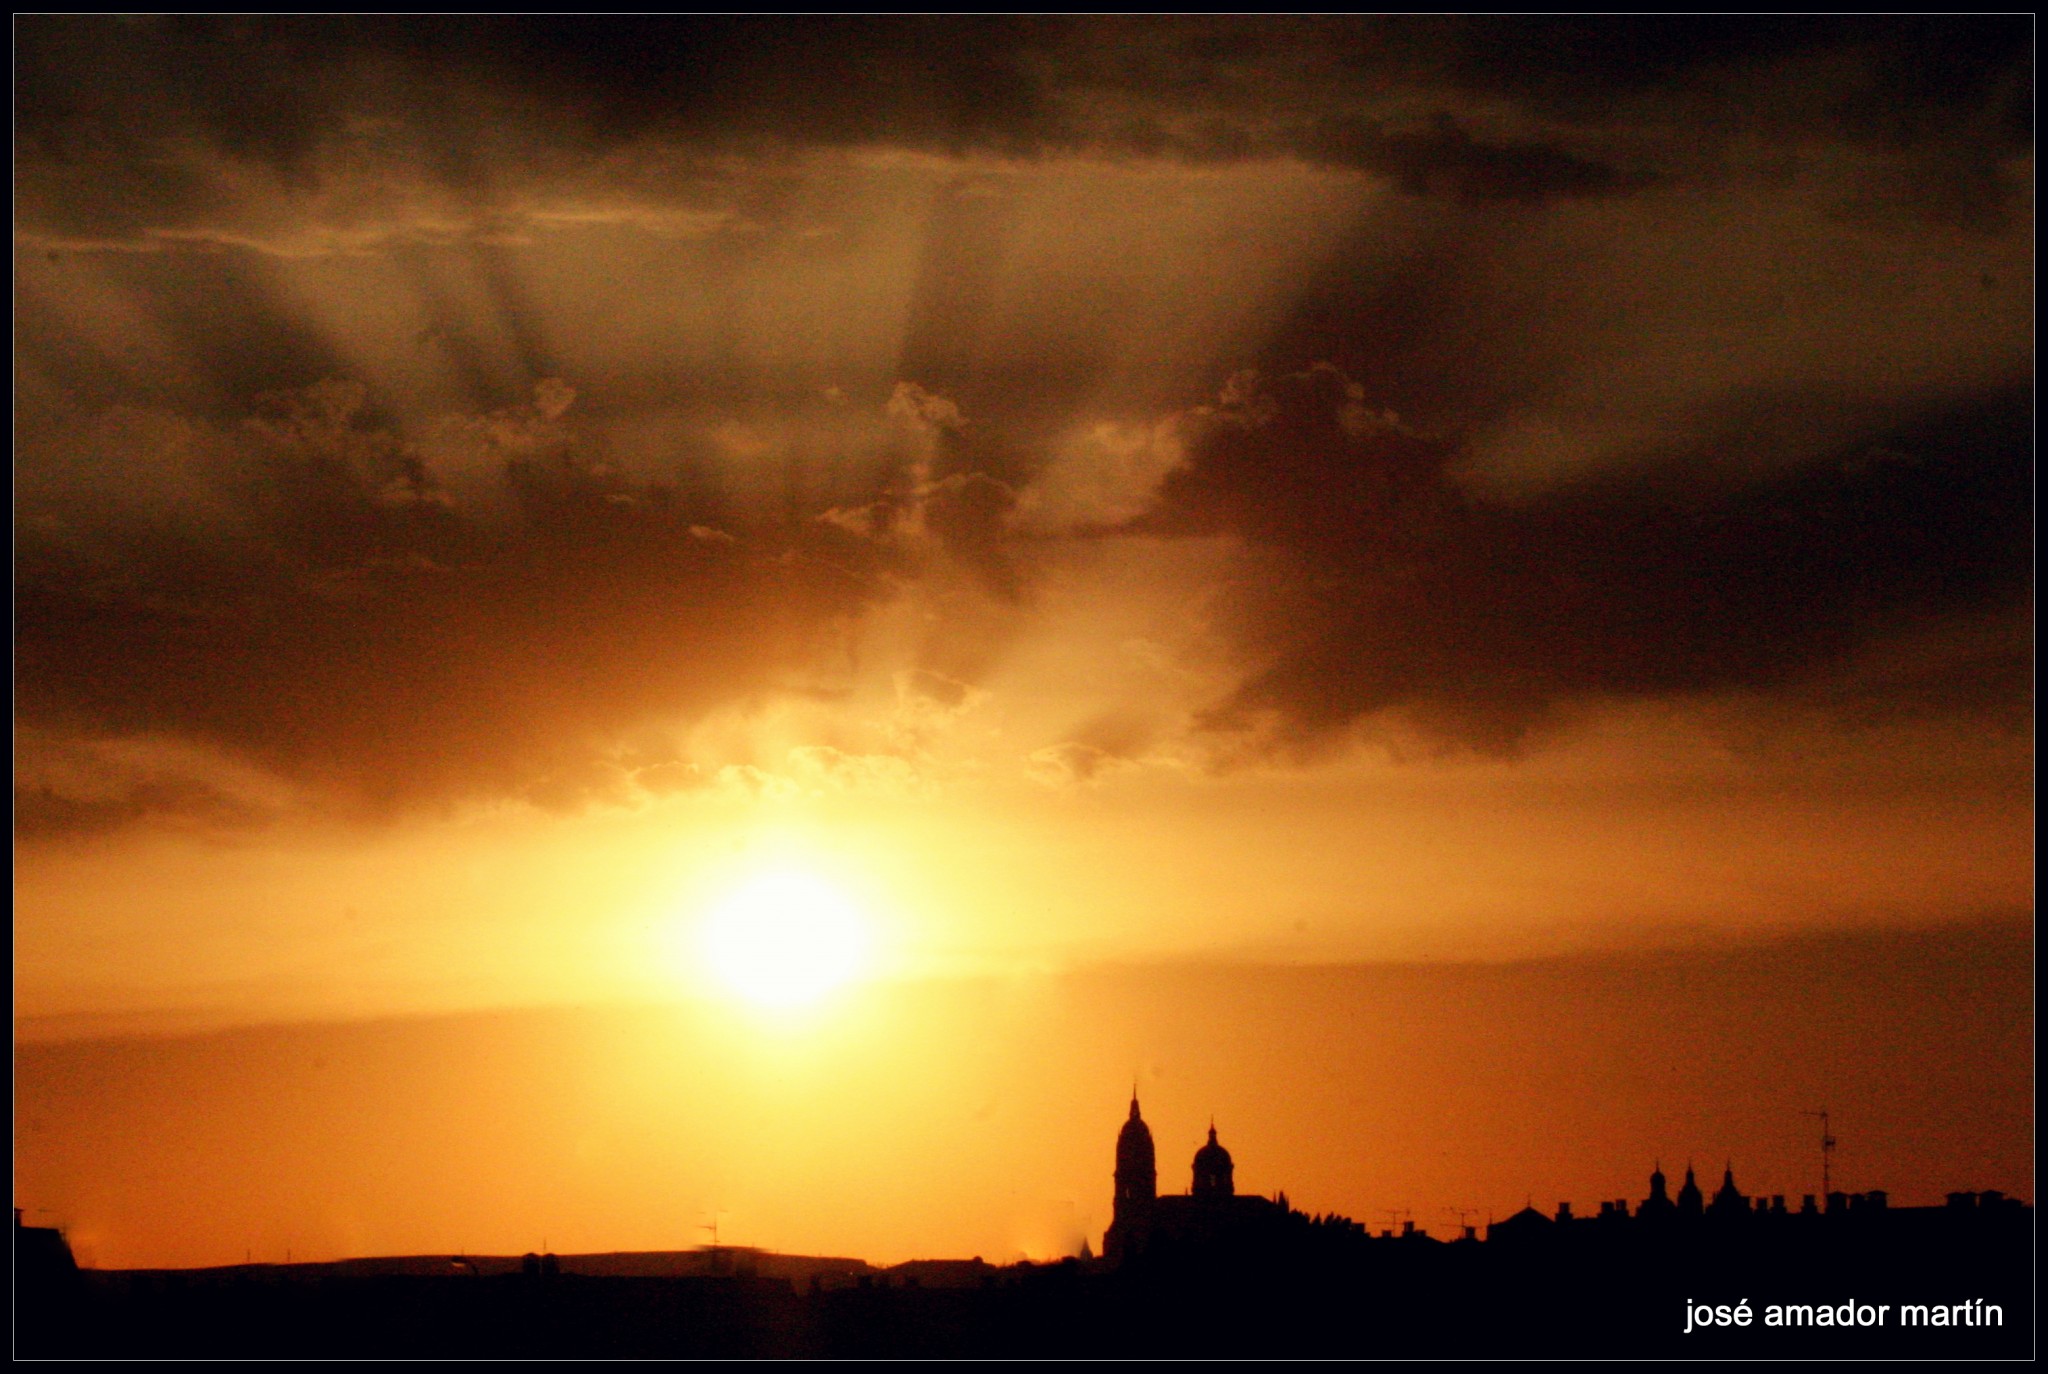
{"x":712,"y":1227}
{"x":1827,"y":1150}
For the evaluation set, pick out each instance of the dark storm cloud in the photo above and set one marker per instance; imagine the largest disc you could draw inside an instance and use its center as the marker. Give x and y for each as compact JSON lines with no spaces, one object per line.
{"x":1602,"y":106}
{"x":231,"y":335}
{"x":314,"y":587}
{"x":1446,"y":160}
{"x":1587,"y":67}
{"x":42,"y":811}
{"x":1389,"y":587}
{"x":319,"y":604}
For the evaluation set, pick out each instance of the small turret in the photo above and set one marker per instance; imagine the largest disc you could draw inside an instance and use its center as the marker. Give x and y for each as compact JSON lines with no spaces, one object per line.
{"x":1728,"y":1199}
{"x":1690,"y":1202}
{"x":1659,"y":1201}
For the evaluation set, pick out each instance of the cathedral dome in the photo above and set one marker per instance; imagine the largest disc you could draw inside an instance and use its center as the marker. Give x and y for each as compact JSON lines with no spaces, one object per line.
{"x":1213,"y":1169}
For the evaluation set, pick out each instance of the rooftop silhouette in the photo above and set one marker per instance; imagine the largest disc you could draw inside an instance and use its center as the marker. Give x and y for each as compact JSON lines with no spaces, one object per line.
{"x":1206,"y":1271}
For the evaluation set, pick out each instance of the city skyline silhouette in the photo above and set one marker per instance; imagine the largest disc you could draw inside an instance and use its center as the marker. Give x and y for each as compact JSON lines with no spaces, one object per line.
{"x":694,"y":636}
{"x":1205,"y":1269}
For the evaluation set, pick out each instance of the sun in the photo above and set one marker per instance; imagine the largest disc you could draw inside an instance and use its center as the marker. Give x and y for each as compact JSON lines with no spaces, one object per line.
{"x":785,"y":939}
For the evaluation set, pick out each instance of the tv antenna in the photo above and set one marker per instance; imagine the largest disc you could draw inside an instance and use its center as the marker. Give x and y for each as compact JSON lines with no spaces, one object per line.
{"x":1827,"y":1153}
{"x":712,"y":1227}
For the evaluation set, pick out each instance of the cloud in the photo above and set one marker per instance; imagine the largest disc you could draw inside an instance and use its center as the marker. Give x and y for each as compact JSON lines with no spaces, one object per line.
{"x":1114,"y":742}
{"x":317,"y":136}
{"x":1443,"y":159}
{"x":479,"y":394}
{"x":1396,"y":592}
{"x":384,"y":651}
{"x":477,"y":608}
{"x":962,"y":516}
{"x":1106,"y":475}
{"x":821,"y":768}
{"x":926,"y":412}
{"x":68,"y":786}
{"x":1071,"y":764}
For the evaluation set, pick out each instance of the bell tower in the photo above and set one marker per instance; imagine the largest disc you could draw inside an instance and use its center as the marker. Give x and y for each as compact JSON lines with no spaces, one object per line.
{"x":1137,"y":1190}
{"x":1137,"y":1177}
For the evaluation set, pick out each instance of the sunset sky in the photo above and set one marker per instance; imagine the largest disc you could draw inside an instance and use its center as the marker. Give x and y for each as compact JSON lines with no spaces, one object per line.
{"x":1454,"y":593}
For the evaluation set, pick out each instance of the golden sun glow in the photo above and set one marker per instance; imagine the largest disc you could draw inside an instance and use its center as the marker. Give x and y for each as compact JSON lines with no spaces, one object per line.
{"x":785,"y":939}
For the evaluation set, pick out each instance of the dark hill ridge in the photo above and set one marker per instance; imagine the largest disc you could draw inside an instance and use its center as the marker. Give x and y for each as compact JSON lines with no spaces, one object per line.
{"x":704,"y":1262}
{"x":1581,"y":1288}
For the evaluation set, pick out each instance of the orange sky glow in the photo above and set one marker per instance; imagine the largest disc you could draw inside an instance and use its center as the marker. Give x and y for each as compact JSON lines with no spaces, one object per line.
{"x":1471,"y":619}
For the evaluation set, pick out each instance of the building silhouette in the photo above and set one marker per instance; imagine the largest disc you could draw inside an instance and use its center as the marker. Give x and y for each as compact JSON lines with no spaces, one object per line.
{"x":1690,"y":1202}
{"x":1213,"y":1225}
{"x":1733,"y":1216}
{"x":1137,"y":1177}
{"x":41,"y":1253}
{"x":47,"y":1292}
{"x":1205,"y":1273}
{"x":1658,"y":1203}
{"x":1211,"y":1217}
{"x":1728,"y":1199}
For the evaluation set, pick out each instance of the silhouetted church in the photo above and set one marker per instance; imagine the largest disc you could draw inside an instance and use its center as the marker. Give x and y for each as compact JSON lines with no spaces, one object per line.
{"x":1211,"y":1214}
